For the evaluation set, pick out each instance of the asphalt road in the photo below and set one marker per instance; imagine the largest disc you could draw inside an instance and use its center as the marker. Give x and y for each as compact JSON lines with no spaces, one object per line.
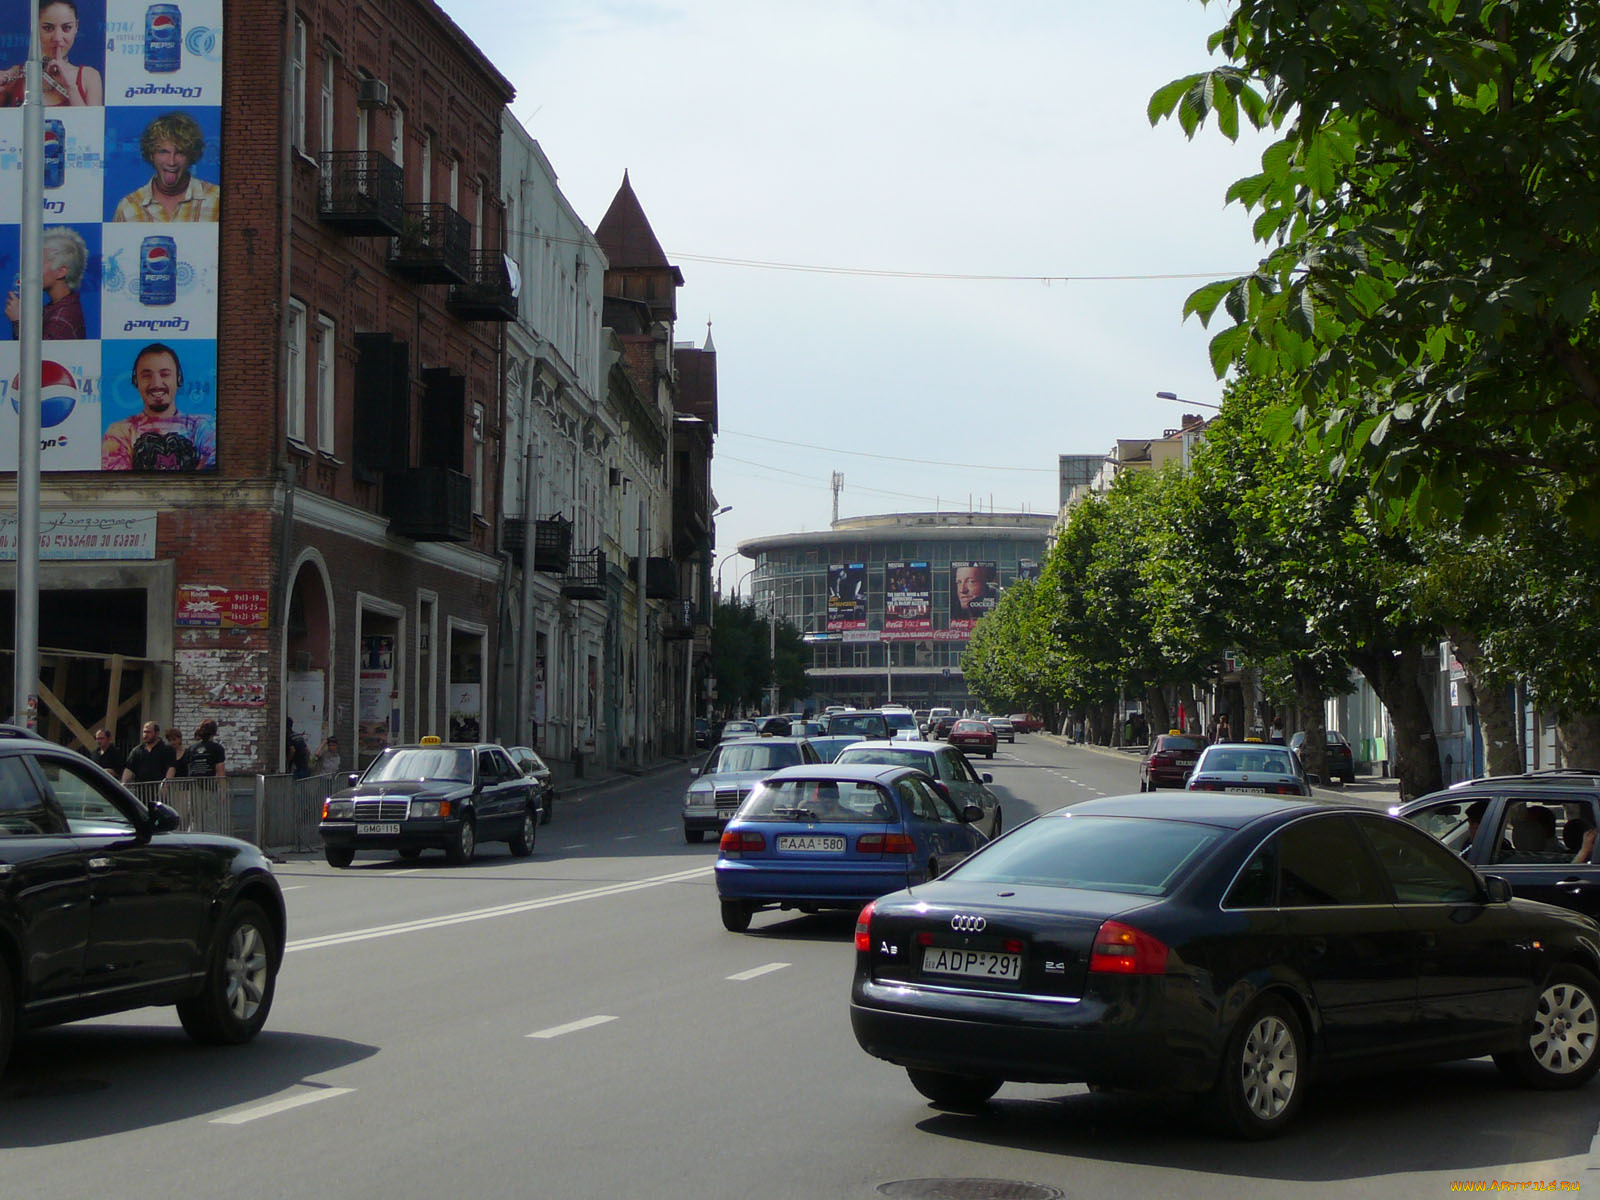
{"x":578,"y":1024}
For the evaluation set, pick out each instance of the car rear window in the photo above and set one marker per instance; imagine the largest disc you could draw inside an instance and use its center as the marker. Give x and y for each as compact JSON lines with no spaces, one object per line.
{"x":891,"y":758}
{"x":1169,"y":741}
{"x":900,"y":720}
{"x":753,"y":756}
{"x":1099,"y":854}
{"x":849,"y":723}
{"x":1252,"y":759}
{"x":971,"y":726}
{"x":818,"y":800}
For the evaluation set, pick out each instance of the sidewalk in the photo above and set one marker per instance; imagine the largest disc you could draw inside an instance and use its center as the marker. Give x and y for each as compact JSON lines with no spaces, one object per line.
{"x":596,"y":777}
{"x":1374,"y":791}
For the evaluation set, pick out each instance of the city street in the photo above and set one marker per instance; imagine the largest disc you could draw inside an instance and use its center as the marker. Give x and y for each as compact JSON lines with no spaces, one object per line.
{"x":578,"y":1024}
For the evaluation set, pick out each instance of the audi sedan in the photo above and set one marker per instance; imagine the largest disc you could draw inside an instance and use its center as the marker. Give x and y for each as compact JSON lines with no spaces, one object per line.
{"x":833,"y":836}
{"x":1228,"y":946}
{"x":435,"y":795}
{"x":105,"y":907}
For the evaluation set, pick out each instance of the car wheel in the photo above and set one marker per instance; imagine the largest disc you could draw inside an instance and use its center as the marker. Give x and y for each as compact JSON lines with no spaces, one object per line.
{"x":1260,"y":1087}
{"x":988,"y":753}
{"x":1142,"y":786}
{"x":7,"y":1014}
{"x":339,"y":856}
{"x":548,"y":809}
{"x":735,"y":916}
{"x":522,"y":841}
{"x":954,"y":1091}
{"x":1348,"y":778}
{"x":694,"y":836}
{"x":997,"y":825}
{"x":466,"y":843}
{"x":234,"y":1000}
{"x":410,"y":852}
{"x":1560,"y":1046}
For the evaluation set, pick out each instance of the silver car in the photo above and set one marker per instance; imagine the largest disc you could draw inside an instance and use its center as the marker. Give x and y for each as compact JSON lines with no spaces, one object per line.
{"x":945,"y":763}
{"x":729,"y":773}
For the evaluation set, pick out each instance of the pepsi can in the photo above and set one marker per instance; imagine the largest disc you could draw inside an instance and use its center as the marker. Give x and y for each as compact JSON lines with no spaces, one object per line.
{"x":158,"y":270}
{"x":55,"y":154}
{"x":163,"y":38}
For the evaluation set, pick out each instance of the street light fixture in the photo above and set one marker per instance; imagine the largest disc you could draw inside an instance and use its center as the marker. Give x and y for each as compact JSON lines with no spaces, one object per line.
{"x":1177,"y":399}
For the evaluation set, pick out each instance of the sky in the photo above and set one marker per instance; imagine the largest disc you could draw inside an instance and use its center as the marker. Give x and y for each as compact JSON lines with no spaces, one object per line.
{"x":1006,"y":242}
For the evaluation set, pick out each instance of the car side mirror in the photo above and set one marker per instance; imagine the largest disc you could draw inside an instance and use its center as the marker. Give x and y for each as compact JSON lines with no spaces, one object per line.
{"x":352,"y":779}
{"x":972,"y":814}
{"x":986,"y":777}
{"x":163,"y":817}
{"x":1499,"y":890}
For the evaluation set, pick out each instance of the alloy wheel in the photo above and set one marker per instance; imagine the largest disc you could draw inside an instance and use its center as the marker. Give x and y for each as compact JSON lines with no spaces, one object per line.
{"x":1270,"y":1066}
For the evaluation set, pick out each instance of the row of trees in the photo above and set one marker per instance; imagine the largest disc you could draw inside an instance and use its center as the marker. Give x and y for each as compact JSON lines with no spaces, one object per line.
{"x":742,"y":649}
{"x":1257,"y":548}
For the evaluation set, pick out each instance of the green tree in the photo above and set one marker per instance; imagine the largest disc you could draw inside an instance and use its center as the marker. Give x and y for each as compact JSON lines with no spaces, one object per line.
{"x":1012,"y":661}
{"x":741,"y":649}
{"x":1432,"y":277}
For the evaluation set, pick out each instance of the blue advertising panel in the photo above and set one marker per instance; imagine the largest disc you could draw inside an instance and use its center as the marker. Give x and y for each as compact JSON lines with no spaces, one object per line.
{"x":132,"y":205}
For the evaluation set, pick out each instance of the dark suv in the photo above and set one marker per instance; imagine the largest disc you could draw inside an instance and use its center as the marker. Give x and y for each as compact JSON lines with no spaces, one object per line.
{"x":105,"y":907}
{"x":1536,"y":831}
{"x":868,"y":724}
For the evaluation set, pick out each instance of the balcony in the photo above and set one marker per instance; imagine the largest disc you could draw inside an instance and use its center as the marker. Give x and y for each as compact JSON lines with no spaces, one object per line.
{"x":428,"y":504}
{"x":487,"y":294}
{"x":660,"y":577}
{"x":552,"y":542}
{"x":586,"y":577}
{"x":434,"y":245}
{"x":678,"y":622}
{"x":361,"y":194}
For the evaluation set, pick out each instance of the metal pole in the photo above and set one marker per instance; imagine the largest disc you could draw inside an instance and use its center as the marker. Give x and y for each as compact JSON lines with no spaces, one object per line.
{"x":641,"y":668}
{"x":25,"y":681}
{"x":525,"y":631}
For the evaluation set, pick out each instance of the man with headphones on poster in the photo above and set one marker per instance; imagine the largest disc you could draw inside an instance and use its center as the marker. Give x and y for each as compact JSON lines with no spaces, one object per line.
{"x":159,"y":438}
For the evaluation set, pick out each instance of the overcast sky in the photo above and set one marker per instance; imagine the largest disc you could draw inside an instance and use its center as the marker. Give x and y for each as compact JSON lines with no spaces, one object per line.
{"x":882,"y":138}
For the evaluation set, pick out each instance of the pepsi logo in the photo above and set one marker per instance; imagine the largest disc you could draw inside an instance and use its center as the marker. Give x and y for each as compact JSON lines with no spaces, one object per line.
{"x":162,"y":23}
{"x":58,"y":394}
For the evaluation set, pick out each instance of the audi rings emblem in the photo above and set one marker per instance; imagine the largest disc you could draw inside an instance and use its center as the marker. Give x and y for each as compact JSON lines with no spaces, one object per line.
{"x":965,"y":924}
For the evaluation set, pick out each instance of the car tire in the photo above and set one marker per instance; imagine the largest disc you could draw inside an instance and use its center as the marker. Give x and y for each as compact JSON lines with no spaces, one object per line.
{"x":465,"y":847}
{"x":522,"y":841}
{"x":1348,"y":779}
{"x":233,"y":1002}
{"x":547,"y":809}
{"x":1262,"y":1081}
{"x":694,"y":836}
{"x":8,"y":1018}
{"x":954,"y":1091}
{"x":998,"y":826}
{"x":735,"y":915}
{"x":1560,"y":1040}
{"x":339,"y":856}
{"x":988,"y":754}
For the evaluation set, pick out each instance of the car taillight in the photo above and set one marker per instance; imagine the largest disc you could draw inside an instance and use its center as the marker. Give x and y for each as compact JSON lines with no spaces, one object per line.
{"x":1123,"y":950}
{"x":864,"y":927}
{"x":738,"y":841}
{"x":885,"y":843}
{"x":1206,"y":785}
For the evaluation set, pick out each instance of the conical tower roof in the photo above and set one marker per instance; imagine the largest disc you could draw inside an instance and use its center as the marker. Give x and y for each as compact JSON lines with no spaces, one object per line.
{"x":625,"y":235}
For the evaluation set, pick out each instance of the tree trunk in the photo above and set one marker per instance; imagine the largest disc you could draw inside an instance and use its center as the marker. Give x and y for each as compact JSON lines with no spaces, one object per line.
{"x":1580,"y":736}
{"x":1415,"y":754}
{"x":1308,"y":695}
{"x":1497,"y":716}
{"x":1157,"y":714}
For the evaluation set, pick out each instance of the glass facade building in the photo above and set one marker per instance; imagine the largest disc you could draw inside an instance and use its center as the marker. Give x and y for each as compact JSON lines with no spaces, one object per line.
{"x":855,"y":660}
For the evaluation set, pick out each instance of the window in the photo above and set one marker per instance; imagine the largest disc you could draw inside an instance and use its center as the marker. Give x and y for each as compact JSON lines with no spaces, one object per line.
{"x":326,"y":350}
{"x":1323,"y":861}
{"x":326,"y":112}
{"x":297,"y":84}
{"x":1256,"y":885}
{"x":477,"y":459}
{"x":1420,"y":870}
{"x":80,"y":793}
{"x":397,"y":134}
{"x":455,"y":184}
{"x":22,"y":809}
{"x":427,"y":166}
{"x":363,"y":129}
{"x":295,"y":374}
{"x":477,"y":218}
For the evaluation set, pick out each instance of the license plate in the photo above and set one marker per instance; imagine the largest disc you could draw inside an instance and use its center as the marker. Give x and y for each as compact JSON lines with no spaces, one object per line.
{"x":979,"y":964}
{"x":811,"y":843}
{"x":1185,"y":762}
{"x":380,"y":828}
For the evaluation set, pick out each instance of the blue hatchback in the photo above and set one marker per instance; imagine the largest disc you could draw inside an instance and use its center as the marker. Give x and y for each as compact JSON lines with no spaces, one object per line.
{"x":830,"y":836}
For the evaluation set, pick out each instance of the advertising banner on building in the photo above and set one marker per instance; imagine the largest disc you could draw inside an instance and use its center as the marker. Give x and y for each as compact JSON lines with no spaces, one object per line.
{"x":974,"y":591}
{"x":847,"y":596}
{"x":132,"y":200}
{"x":1027,"y":570}
{"x":908,"y":598}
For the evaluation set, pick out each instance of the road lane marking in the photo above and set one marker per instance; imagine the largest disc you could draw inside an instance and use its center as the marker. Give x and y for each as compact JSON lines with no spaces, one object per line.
{"x":502,"y":910}
{"x":571,"y":1027}
{"x":294,"y":888}
{"x":625,"y":837}
{"x":274,"y":1107}
{"x":757,"y":972}
{"x":577,"y":846}
{"x":397,"y":874}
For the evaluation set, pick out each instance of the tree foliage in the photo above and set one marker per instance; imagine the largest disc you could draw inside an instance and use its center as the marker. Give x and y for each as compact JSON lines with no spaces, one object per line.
{"x":1433,"y":264}
{"x":741,"y":649}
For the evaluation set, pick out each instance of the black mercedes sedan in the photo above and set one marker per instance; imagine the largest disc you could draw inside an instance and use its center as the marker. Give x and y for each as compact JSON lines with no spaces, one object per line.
{"x":1226,"y":945}
{"x":435,"y":795}
{"x":105,"y":907}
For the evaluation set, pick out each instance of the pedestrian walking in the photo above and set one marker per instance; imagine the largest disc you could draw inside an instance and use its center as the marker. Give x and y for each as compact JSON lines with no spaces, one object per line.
{"x":152,"y":760}
{"x":206,"y":755}
{"x":106,"y":755}
{"x":328,"y":760}
{"x":299,"y":754}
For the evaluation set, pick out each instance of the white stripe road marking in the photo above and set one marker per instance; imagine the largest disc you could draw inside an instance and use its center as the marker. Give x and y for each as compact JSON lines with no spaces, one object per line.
{"x":483,"y":914}
{"x":571,"y":1027}
{"x":625,"y":837}
{"x":757,"y":972}
{"x":577,"y":846}
{"x":397,"y":874}
{"x":295,"y":888}
{"x":274,"y":1107}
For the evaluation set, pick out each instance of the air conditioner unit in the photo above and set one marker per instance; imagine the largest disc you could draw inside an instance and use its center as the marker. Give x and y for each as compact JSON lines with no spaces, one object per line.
{"x":373,"y":93}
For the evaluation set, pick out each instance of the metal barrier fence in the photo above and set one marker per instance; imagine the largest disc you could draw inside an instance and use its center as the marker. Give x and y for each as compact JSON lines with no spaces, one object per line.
{"x":279,"y":812}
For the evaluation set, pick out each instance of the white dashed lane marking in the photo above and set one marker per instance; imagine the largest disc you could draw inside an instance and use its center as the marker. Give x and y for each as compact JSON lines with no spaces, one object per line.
{"x":273,"y":1107}
{"x":757,"y":972}
{"x":556,"y":1031}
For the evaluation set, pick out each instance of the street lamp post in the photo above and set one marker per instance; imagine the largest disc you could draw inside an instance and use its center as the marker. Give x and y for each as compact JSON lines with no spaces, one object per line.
{"x":1177,"y":399}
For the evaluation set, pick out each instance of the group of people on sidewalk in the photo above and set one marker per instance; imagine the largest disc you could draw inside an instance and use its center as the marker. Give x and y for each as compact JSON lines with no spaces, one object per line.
{"x":159,"y":757}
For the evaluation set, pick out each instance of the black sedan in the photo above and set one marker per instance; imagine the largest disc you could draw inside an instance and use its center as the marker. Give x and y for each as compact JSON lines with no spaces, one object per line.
{"x":441,"y":795}
{"x":1222,"y":945}
{"x":104,"y":907}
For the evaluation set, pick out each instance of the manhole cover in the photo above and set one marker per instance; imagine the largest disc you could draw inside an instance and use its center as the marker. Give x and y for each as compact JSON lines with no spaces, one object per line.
{"x":969,"y":1189}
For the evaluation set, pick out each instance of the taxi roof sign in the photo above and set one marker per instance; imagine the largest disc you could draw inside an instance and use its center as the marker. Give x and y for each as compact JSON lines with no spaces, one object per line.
{"x":432,"y":739}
